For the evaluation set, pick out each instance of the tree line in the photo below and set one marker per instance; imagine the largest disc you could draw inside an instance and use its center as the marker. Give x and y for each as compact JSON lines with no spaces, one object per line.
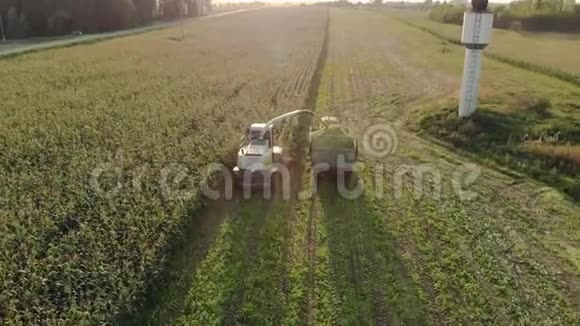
{"x":24,"y":18}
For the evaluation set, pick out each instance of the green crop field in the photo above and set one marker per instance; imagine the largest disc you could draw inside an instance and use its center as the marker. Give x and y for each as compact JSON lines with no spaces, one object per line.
{"x":104,"y":149}
{"x":130,"y":114}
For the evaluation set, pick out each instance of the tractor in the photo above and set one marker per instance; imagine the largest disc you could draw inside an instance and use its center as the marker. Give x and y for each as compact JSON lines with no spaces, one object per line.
{"x":260,"y":157}
{"x":257,"y":157}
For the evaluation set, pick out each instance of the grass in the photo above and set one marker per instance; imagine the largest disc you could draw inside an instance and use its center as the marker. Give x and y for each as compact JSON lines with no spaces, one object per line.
{"x":525,"y":135}
{"x":567,"y":155}
{"x":469,"y":268}
{"x":368,"y":272}
{"x":311,"y":297}
{"x":265,"y":287}
{"x":298,"y":267}
{"x":343,"y":266}
{"x":549,"y":71}
{"x":549,"y":53}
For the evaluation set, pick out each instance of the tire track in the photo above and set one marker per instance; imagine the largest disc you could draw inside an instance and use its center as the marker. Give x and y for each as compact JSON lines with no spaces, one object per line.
{"x":345,"y":254}
{"x":310,"y":104}
{"x":312,"y":246}
{"x":255,"y":223}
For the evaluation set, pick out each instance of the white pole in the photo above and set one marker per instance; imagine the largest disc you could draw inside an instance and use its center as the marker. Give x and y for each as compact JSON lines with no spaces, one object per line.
{"x":476,"y":34}
{"x":470,"y":83}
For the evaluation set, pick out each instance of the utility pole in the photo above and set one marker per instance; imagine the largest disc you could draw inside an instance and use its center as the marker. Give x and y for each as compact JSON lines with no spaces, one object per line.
{"x":2,"y":27}
{"x":476,"y":34}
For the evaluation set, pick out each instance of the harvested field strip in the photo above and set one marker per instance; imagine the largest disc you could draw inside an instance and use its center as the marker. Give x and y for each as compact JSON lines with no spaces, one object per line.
{"x":357,"y":258}
{"x":343,"y":268}
{"x":494,"y":261}
{"x":217,"y":290}
{"x":471,"y":266}
{"x":345,"y":254}
{"x":298,"y":267}
{"x":312,"y":299}
{"x":264,"y":292}
{"x":324,"y":305}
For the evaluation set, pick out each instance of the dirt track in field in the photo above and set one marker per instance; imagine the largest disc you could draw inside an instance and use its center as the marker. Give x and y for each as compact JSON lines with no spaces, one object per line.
{"x":382,"y":260}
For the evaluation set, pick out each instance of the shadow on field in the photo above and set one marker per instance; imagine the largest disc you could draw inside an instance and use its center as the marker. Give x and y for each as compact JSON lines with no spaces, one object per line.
{"x":167,"y":294}
{"x":168,"y":300}
{"x":250,"y":219}
{"x":254,"y":232}
{"x":368,"y":273}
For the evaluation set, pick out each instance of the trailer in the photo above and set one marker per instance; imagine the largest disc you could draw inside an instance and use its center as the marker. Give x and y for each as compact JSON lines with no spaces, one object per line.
{"x":332,"y":149}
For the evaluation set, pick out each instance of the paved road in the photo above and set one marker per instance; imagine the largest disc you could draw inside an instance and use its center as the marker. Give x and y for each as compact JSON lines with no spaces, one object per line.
{"x":12,"y":49}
